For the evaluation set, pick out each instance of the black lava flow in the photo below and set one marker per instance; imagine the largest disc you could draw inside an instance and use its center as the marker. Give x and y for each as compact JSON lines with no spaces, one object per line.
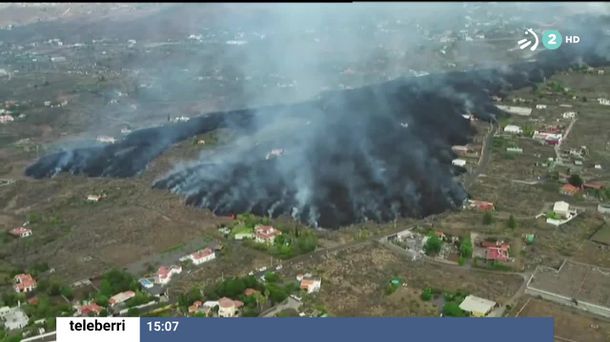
{"x":375,"y":153}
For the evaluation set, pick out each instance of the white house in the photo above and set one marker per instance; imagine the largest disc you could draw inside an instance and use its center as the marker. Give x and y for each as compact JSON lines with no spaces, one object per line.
{"x":202,"y":256}
{"x":228,"y":307}
{"x":477,"y":306}
{"x":311,"y":284}
{"x":121,"y":297}
{"x":266,"y":234}
{"x":562,"y":209}
{"x":603,"y":102}
{"x":458,"y":162}
{"x":569,"y":115}
{"x":20,"y":232}
{"x":165,"y":274}
{"x":13,"y":318}
{"x":513,"y":129}
{"x":540,"y":106}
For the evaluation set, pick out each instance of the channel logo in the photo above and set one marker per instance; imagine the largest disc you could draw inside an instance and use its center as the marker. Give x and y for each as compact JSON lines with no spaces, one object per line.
{"x":525,"y":42}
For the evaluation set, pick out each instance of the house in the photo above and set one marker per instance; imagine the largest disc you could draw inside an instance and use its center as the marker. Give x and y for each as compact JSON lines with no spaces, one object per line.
{"x":311,"y":284}
{"x":594,"y":186}
{"x":514,"y":150}
{"x":477,"y":306}
{"x":517,"y":110}
{"x":121,"y":298}
{"x":89,"y":309}
{"x":460,"y":150}
{"x":165,"y":274}
{"x":20,"y":232}
{"x":228,"y":307}
{"x":24,"y":283}
{"x":13,"y":318}
{"x":202,"y":256}
{"x":497,"y":253}
{"x":569,"y":115}
{"x":603,"y":102}
{"x":562,"y":209}
{"x":569,"y":190}
{"x":106,"y":139}
{"x":95,"y":198}
{"x":547,"y":137}
{"x":458,"y":162}
{"x":481,"y":205}
{"x":266,"y":234}
{"x":6,"y":119}
{"x":540,"y":106}
{"x":513,"y":129}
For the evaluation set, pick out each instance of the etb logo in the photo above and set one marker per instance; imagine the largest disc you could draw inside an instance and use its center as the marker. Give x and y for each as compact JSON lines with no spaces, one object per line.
{"x":552,"y":39}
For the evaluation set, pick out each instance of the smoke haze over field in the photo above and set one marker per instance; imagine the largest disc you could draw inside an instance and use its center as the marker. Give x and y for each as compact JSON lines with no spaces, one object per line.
{"x":375,"y":152}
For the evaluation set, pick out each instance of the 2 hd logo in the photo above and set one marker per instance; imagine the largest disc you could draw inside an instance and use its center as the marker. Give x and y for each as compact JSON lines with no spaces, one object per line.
{"x":551,"y":40}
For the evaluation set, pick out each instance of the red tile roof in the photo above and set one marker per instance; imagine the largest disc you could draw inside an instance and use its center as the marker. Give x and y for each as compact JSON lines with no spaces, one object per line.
{"x":266,"y":232}
{"x":19,"y":231}
{"x":85,"y":310}
{"x":24,"y":281}
{"x":497,"y":253}
{"x":569,"y":189}
{"x":202,"y":253}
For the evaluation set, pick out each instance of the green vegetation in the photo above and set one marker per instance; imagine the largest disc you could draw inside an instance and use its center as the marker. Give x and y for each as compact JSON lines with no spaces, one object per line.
{"x":487,"y":218}
{"x":288,"y":245}
{"x":393,"y":285}
{"x":433,"y":245}
{"x":553,"y":215}
{"x":466,"y":247}
{"x":512,"y":222}
{"x":426,"y":294}
{"x":452,"y":304}
{"x":575,"y":180}
{"x":116,"y":281}
{"x":491,"y":265}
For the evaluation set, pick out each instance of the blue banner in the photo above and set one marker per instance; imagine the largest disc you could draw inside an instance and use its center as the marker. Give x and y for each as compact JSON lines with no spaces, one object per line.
{"x":408,"y":329}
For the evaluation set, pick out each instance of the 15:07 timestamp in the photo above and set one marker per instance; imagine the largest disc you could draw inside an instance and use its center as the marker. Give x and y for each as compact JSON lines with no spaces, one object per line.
{"x":167,"y":326}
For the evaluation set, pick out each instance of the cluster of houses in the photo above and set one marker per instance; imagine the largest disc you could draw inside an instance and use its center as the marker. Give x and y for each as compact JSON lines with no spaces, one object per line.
{"x":261,"y":234}
{"x":227,"y":307}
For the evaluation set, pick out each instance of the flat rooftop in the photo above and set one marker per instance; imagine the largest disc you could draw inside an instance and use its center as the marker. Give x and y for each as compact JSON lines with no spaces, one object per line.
{"x":587,"y":283}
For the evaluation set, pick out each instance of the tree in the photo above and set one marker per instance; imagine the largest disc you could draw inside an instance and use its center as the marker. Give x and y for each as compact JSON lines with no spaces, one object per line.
{"x":433,"y":245}
{"x":487,"y":218}
{"x":452,"y":309}
{"x":101,"y":300}
{"x":426,"y":295}
{"x":67,"y":292}
{"x":466,"y":247}
{"x":512,"y":222}
{"x":575,"y":180}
